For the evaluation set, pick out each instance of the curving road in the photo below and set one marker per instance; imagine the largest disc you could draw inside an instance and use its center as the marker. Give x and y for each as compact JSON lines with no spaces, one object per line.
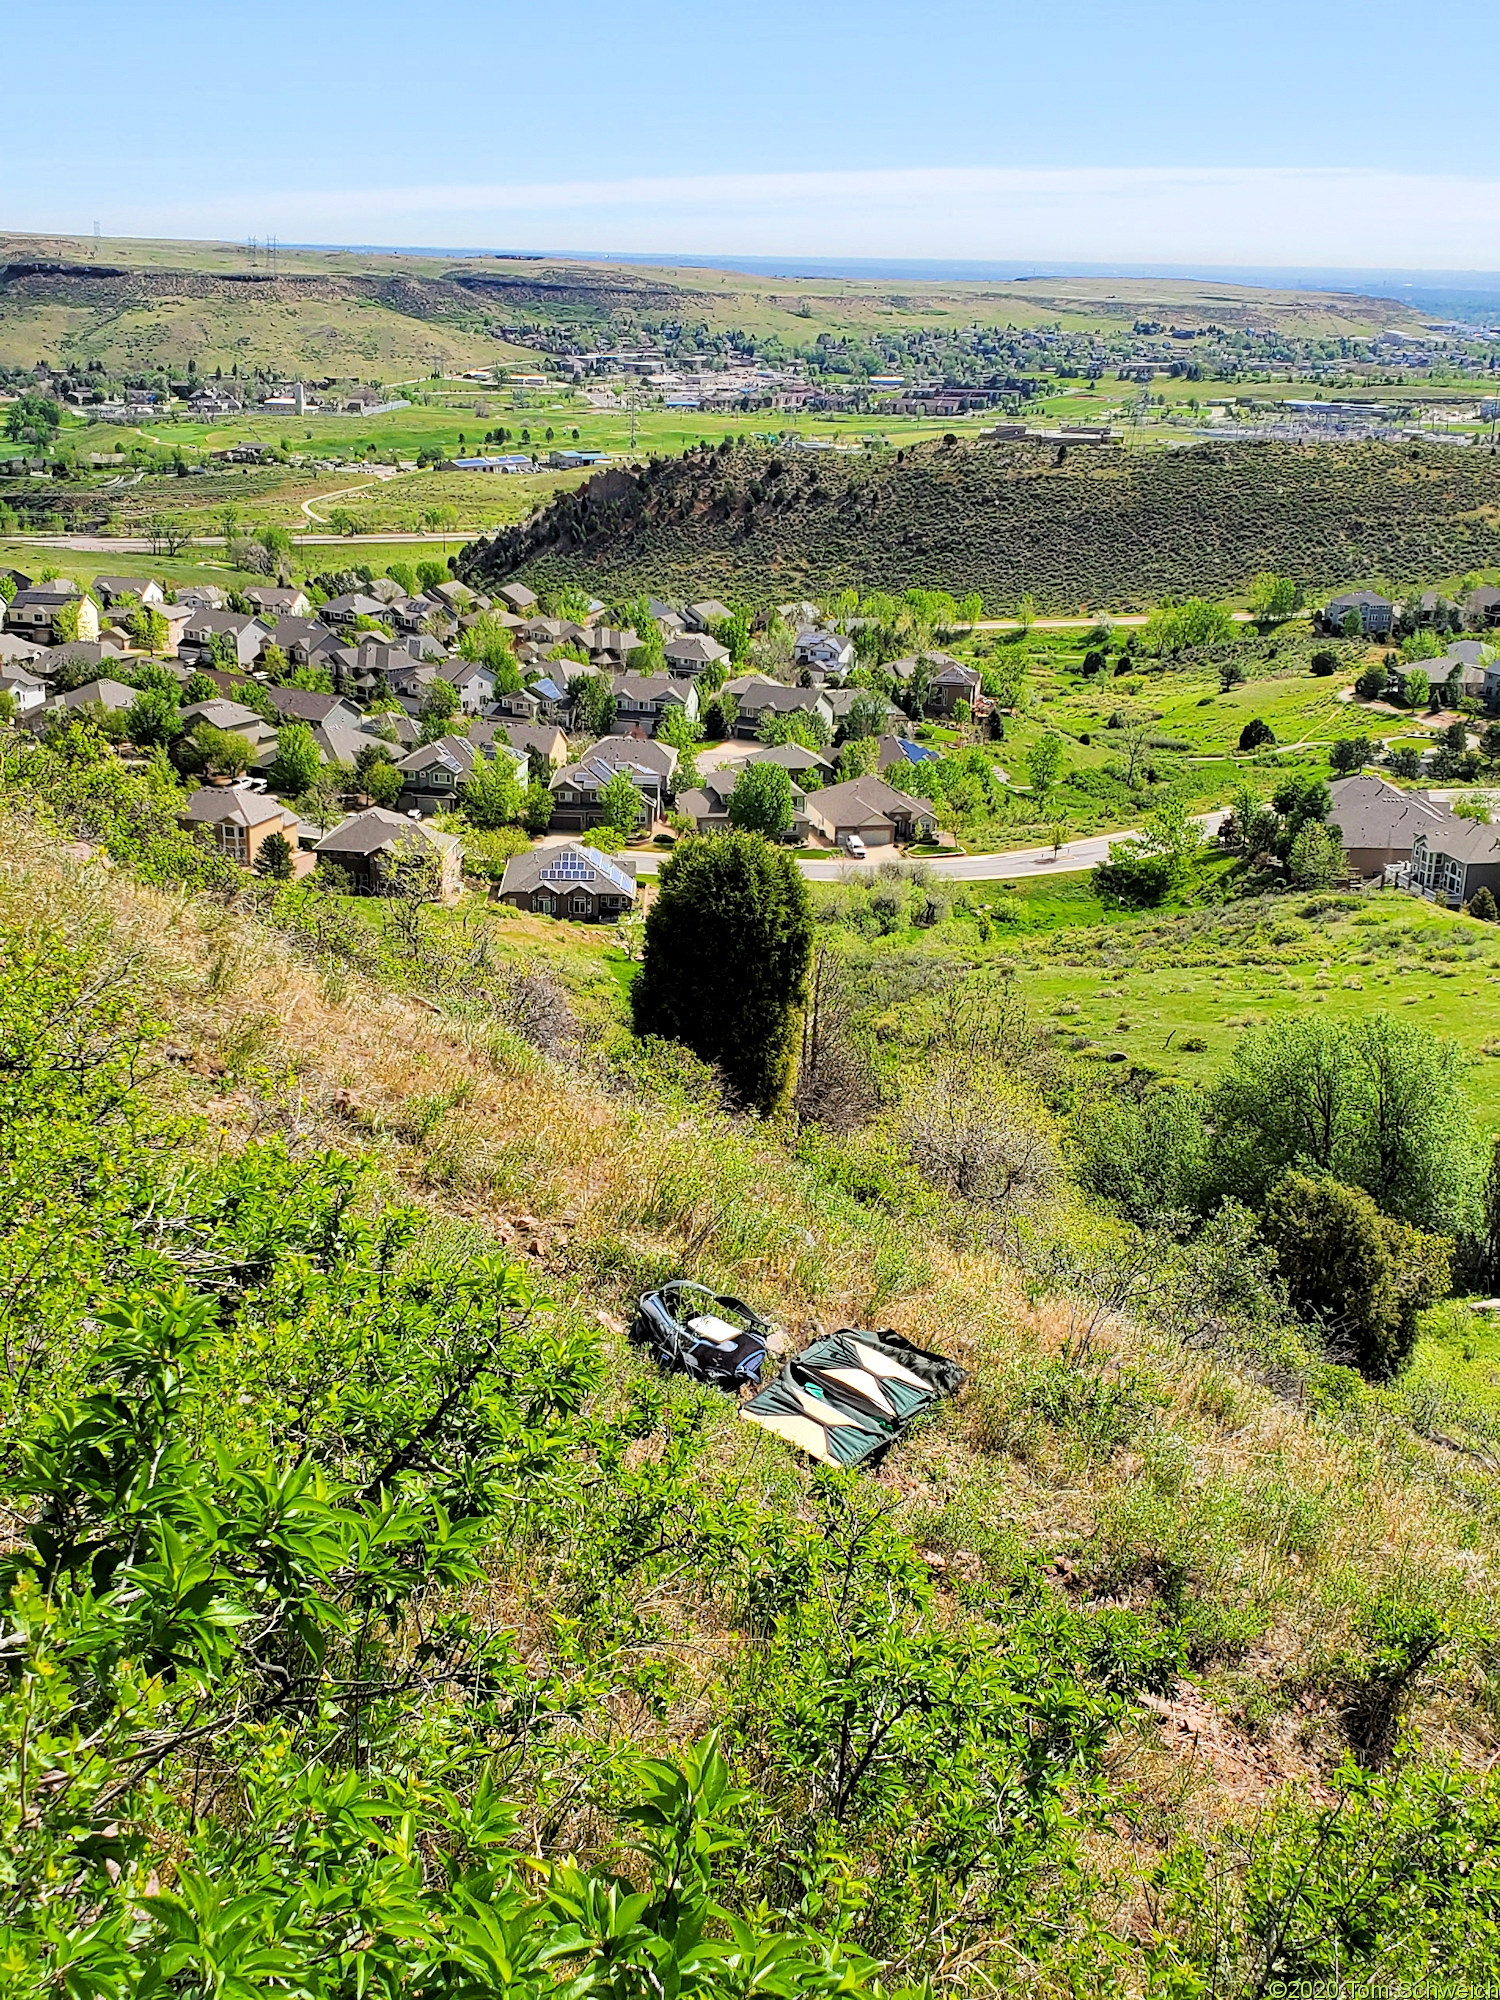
{"x":1072,"y":857}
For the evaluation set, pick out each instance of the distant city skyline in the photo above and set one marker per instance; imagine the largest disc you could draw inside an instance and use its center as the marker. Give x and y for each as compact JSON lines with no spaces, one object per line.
{"x":1284,"y":136}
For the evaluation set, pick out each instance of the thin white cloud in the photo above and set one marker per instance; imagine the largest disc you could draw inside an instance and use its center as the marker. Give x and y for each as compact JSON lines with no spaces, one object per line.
{"x":1276,"y":216}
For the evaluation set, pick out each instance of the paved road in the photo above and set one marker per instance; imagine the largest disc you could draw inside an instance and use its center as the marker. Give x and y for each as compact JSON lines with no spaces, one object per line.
{"x":1070,"y":859}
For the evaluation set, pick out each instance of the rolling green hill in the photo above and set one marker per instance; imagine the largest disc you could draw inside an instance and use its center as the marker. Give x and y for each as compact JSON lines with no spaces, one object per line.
{"x":1080,"y":528}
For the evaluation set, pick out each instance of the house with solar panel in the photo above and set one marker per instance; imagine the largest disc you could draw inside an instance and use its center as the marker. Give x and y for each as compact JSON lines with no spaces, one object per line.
{"x":577,"y":883}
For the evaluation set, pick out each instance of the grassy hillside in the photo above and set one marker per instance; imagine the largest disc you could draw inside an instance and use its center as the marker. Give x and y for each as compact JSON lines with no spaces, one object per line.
{"x":1079,"y":529}
{"x":135,"y":304}
{"x":1162,"y":1661}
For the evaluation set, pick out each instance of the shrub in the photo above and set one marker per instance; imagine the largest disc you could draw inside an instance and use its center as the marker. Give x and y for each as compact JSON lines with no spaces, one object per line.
{"x":1357,"y":1274}
{"x":1256,"y":734}
{"x":1482,"y":905}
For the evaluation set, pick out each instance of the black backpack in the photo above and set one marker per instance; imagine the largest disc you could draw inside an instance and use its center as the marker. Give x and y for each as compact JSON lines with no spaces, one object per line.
{"x":708,"y":1335}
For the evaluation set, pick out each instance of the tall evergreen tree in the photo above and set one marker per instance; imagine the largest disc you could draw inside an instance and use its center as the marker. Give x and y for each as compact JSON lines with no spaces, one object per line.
{"x":727,"y":947}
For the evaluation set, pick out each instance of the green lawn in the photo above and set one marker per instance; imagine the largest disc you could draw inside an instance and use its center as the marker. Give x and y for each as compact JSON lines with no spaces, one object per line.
{"x":1146,"y":985}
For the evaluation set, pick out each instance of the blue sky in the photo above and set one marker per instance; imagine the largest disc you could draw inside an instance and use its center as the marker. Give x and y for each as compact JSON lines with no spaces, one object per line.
{"x":1276,"y":133}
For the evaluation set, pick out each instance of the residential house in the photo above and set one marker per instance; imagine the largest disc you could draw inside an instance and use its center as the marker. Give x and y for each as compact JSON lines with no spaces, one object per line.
{"x":839,"y":701}
{"x":35,"y":613}
{"x":340,"y":742}
{"x":298,"y":705}
{"x":367,"y":851}
{"x":50,"y":661}
{"x":689,"y":655}
{"x":26,"y":692}
{"x":699,"y":617}
{"x":576,"y":788}
{"x":1376,"y":821}
{"x":807,"y":769}
{"x":707,"y":803}
{"x":473,"y":683}
{"x":758,"y":699}
{"x":821,"y":652}
{"x":641,"y":700}
{"x":952,"y":684}
{"x":543,"y":742}
{"x":1455,"y":859}
{"x":1482,"y":606}
{"x":16,"y":652}
{"x":202,"y":597}
{"x":352,"y":604}
{"x":610,"y":646}
{"x":239,"y":822}
{"x":518,"y":597}
{"x":302,"y":640}
{"x":271,"y":601}
{"x":801,"y":615}
{"x":111,"y":695}
{"x":223,"y":714}
{"x":669,"y":621}
{"x":555,"y":703}
{"x":520,"y":704}
{"x":433,"y":774}
{"x":239,"y":631}
{"x":575,"y":882}
{"x":900,"y":751}
{"x":410,"y":614}
{"x":178,"y":617}
{"x":1375,"y":613}
{"x":872,"y":810}
{"x":457,"y":598}
{"x":142,"y":589}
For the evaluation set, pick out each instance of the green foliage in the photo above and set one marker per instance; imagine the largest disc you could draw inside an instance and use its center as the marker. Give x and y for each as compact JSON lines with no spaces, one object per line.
{"x":1147,"y":868}
{"x":213,"y":752}
{"x":727,"y":947}
{"x":1356,"y":1274}
{"x":537,"y":808}
{"x":296,"y":766}
{"x":1199,"y":522}
{"x":1315,"y":859}
{"x":491,"y":795}
{"x":802,"y":726}
{"x":682,"y":733}
{"x":1273,"y":597}
{"x":1423,"y":644}
{"x":1256,"y":734}
{"x":440,"y":702}
{"x":148,"y":628}
{"x":593,"y":704}
{"x":154,"y":717}
{"x":1350,"y":754}
{"x":1377,"y":1104}
{"x":620,"y":803}
{"x":274,"y":860}
{"x":1416,"y":688}
{"x":1173,"y":627}
{"x":858,"y":756}
{"x":1045,"y":761}
{"x":33,"y":420}
{"x":866,"y":717}
{"x":761,"y":801}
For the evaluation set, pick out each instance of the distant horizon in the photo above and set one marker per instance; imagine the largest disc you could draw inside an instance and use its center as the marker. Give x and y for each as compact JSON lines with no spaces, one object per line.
{"x":1478,"y":287}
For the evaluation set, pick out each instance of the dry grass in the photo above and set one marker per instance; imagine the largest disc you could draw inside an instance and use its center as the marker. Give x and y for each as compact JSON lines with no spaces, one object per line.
{"x":1259,"y":1510}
